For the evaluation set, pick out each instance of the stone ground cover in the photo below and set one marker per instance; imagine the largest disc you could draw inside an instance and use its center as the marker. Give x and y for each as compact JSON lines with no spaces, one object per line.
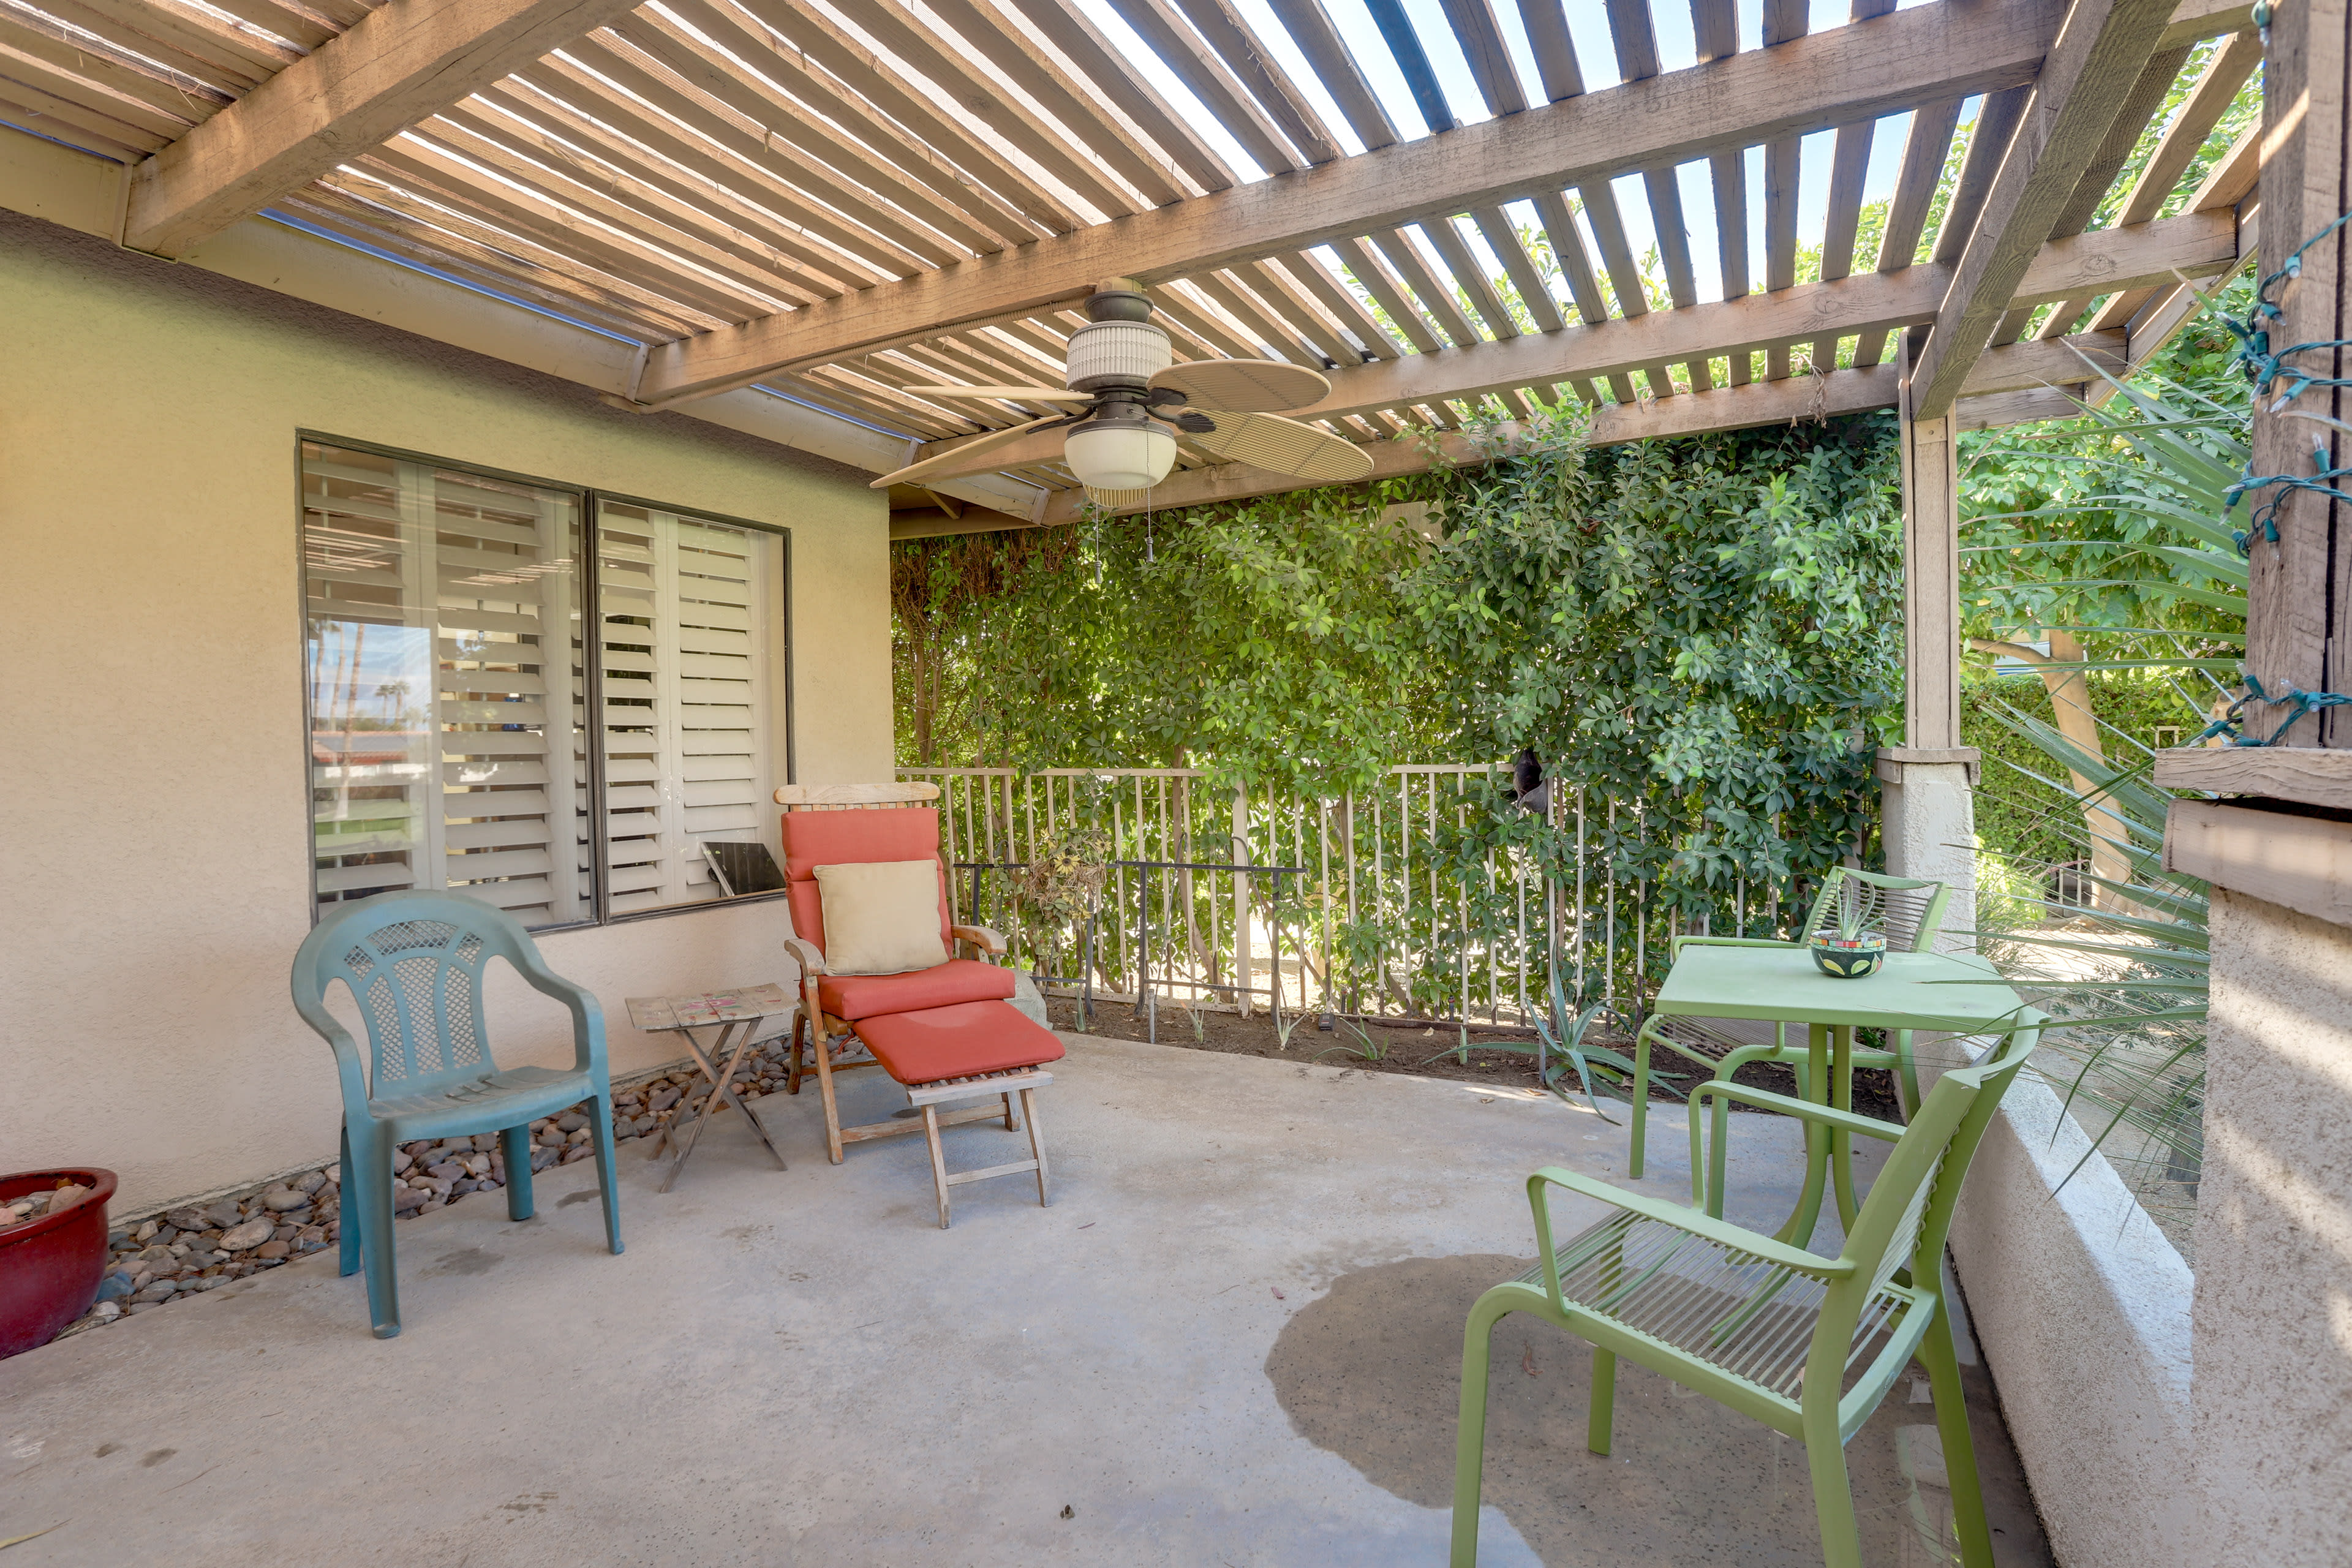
{"x":187,"y":1250}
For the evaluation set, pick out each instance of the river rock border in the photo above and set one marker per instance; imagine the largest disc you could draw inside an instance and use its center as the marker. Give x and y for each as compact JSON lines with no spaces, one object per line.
{"x":191,"y":1248}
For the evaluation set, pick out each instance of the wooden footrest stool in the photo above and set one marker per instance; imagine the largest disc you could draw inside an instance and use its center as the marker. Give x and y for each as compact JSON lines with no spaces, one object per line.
{"x":961,"y":1052}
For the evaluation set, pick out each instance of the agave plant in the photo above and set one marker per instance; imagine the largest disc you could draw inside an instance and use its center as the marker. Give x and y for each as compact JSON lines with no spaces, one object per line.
{"x":2128,"y":981}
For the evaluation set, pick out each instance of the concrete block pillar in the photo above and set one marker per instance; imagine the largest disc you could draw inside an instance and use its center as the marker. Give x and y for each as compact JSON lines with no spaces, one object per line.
{"x":2271,"y":1398}
{"x":1927,"y":825}
{"x":2272,"y":1395}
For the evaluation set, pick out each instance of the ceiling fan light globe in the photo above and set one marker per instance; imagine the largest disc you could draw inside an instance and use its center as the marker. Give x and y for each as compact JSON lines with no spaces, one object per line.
{"x":1120,"y":457}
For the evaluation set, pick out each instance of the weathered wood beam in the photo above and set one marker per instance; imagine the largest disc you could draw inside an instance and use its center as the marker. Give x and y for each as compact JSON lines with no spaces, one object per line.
{"x":397,"y":66}
{"x":933,"y":522}
{"x":2037,"y":368}
{"x":2001,"y":374}
{"x":2197,"y":245}
{"x":1857,"y":72}
{"x":2298,"y":626}
{"x":1931,"y":576}
{"x":2026,"y":406}
{"x":2196,"y":19}
{"x":1240,"y":482}
{"x":2092,"y":69}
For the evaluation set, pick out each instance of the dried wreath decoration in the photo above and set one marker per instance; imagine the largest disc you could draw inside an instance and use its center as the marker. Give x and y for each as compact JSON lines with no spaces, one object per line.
{"x":1063,"y":880}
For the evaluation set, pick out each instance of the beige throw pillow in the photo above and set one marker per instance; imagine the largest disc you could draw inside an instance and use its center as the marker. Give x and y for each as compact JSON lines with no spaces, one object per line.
{"x":881,"y":917}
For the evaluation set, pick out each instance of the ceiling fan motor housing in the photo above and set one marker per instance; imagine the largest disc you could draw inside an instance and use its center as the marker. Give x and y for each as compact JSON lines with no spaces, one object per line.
{"x":1103,"y":355}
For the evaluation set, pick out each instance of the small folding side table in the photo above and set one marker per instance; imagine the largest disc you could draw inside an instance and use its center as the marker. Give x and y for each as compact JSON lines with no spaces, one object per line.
{"x":736,"y":1016}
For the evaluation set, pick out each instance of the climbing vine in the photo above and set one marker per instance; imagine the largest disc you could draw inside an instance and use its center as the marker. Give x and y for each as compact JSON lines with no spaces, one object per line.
{"x":1705,"y":634}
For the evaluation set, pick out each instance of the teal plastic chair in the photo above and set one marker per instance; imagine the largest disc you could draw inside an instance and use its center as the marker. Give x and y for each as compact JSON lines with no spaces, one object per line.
{"x":415,"y":964}
{"x":1808,"y":1345}
{"x":1910,"y":913}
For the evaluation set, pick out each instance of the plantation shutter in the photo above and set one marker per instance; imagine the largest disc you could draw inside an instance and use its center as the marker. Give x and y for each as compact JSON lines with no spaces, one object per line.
{"x":444,"y":691}
{"x":684,"y":625}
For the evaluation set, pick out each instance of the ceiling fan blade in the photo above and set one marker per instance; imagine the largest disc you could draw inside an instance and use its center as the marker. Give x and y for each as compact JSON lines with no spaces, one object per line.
{"x":965,"y":453}
{"x":1284,"y":447}
{"x":1019,"y":394}
{"x":1244,"y":385}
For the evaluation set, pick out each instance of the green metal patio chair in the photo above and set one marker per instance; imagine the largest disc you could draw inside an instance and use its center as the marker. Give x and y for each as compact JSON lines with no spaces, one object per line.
{"x":415,"y":964}
{"x":1910,"y":913}
{"x":1807,"y":1345}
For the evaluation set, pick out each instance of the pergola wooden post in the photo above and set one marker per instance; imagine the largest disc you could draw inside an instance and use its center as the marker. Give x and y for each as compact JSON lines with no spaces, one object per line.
{"x":1928,"y":820}
{"x":1927,"y":817}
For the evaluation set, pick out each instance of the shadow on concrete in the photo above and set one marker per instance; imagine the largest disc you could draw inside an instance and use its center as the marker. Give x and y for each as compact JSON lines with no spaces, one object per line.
{"x":1371,"y":1371}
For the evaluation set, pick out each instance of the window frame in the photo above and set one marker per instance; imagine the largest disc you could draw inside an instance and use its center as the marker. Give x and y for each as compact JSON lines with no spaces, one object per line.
{"x":590,"y":500}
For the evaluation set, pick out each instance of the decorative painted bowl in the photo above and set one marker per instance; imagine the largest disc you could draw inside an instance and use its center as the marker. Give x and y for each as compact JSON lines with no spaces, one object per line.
{"x":1850,"y":957}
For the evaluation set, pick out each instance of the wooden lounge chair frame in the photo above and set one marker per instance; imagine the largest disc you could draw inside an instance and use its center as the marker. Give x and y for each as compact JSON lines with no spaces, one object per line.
{"x":815,"y":1030}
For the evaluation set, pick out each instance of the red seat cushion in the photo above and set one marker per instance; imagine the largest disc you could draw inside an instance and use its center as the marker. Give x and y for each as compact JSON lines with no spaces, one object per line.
{"x":956,"y":1042}
{"x":854,"y":997}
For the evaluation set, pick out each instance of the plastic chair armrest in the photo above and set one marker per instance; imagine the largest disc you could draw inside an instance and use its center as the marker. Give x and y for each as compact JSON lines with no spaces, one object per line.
{"x":587,"y":1013}
{"x":1695,"y":1223}
{"x":1827,"y":1115}
{"x":348,"y":1071}
{"x":989,"y":942}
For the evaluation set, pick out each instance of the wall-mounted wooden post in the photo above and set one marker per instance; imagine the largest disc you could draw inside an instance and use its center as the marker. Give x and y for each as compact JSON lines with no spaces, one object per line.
{"x":2296,"y":606}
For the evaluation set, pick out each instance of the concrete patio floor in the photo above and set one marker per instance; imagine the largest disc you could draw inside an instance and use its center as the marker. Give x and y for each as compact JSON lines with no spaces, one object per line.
{"x":1233,"y":1339}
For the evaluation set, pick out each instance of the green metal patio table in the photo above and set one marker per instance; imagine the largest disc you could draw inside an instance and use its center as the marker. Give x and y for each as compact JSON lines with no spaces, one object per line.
{"x":1941,"y":993}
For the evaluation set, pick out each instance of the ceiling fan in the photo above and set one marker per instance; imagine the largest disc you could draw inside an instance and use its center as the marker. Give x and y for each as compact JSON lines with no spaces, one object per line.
{"x":1120,"y":444}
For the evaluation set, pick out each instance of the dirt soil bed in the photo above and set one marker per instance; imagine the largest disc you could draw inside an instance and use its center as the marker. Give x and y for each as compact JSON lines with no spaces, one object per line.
{"x":1496,"y":1056}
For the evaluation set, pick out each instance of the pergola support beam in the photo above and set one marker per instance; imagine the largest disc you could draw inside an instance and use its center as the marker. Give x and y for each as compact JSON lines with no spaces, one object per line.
{"x":2197,"y":243}
{"x":2043,"y":367}
{"x":1240,"y":482}
{"x":2102,"y":49}
{"x":400,"y":64}
{"x":1927,"y":797}
{"x":1800,"y":399}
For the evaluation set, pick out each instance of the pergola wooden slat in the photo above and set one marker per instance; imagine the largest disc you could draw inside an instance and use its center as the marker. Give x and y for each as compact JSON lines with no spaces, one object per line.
{"x":1674,"y":118}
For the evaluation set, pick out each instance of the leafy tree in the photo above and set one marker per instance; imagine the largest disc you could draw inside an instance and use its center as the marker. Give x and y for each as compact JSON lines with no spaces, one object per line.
{"x":1695,"y":631}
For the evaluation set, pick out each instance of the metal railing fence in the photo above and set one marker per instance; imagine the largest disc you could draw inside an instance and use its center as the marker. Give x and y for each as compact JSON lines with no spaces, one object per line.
{"x":1431,"y":897}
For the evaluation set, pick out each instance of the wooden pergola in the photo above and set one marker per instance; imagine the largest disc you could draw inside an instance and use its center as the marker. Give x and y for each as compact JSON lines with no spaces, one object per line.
{"x":782,"y":214}
{"x":834,"y":200}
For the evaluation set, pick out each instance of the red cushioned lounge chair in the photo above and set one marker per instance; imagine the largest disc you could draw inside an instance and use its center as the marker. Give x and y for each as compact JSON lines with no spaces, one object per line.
{"x":946,"y":1032}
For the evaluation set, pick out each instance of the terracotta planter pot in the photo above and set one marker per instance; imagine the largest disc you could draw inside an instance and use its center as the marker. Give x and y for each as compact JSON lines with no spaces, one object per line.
{"x":49,"y":1269}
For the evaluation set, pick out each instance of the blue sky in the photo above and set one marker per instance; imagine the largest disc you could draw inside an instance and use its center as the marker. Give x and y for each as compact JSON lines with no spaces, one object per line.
{"x":1589,"y":27}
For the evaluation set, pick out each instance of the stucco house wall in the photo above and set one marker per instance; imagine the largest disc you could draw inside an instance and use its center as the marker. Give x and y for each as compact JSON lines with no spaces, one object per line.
{"x":154,"y":807}
{"x":2272,"y":1409}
